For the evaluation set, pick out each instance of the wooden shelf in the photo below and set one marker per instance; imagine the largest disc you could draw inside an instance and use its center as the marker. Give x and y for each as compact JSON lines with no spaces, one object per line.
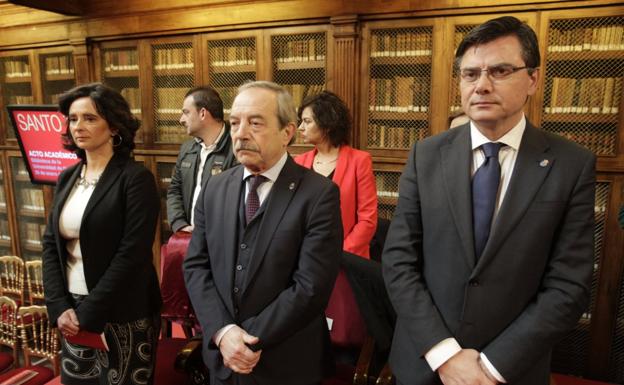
{"x":581,"y":118}
{"x":31,"y":213}
{"x":233,"y":68}
{"x":400,"y":60}
{"x":32,"y":247}
{"x":584,"y":55}
{"x":3,"y":208}
{"x":5,"y":242}
{"x":59,"y":77}
{"x":387,"y":200}
{"x":386,"y":115}
{"x":122,"y":74}
{"x":300,"y":65}
{"x":17,"y":79}
{"x":22,"y":178}
{"x":169,"y":116}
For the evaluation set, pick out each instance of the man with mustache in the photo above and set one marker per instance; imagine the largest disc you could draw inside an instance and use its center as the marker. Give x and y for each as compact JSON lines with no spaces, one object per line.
{"x":488,"y":259}
{"x":264,"y":254}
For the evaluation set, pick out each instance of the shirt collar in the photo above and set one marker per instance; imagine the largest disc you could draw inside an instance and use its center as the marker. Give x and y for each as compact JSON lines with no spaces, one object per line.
{"x":512,"y":138}
{"x":271,"y":173}
{"x":212,"y":146}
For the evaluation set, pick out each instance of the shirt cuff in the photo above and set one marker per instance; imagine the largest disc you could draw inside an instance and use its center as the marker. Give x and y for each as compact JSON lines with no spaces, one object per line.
{"x":220,"y":333}
{"x":442,"y":352}
{"x":492,"y":369}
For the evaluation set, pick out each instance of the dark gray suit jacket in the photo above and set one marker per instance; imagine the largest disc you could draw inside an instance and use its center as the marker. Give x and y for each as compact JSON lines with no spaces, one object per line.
{"x":291,"y":274}
{"x":531,"y":284}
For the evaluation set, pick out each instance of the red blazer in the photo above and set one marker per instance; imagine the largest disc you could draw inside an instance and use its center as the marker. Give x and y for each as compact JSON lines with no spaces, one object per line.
{"x":358,"y":196}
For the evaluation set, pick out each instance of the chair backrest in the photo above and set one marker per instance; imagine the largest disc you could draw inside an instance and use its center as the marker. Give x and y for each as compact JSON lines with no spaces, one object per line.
{"x":8,"y":324}
{"x":34,"y":281}
{"x":12,"y":277}
{"x":39,"y":338}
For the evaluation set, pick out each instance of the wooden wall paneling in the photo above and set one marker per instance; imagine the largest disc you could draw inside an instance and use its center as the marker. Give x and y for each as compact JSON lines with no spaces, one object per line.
{"x":442,"y":63}
{"x":343,"y":67}
{"x":603,"y":319}
{"x":78,"y":40}
{"x":146,"y":91}
{"x":8,"y":190}
{"x":199,"y":65}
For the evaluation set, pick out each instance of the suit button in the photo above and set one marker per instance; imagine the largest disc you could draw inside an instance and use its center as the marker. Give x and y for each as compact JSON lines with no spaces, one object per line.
{"x":243,"y":246}
{"x":239,"y":267}
{"x":235,"y":289}
{"x":473,"y":282}
{"x":235,"y":310}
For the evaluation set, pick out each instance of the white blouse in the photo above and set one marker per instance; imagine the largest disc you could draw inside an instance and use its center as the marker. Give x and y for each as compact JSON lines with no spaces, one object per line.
{"x":69,"y":226}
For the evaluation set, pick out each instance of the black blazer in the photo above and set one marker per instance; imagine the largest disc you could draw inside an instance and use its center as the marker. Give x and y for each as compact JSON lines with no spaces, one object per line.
{"x":116,"y":237}
{"x":291,"y":274}
{"x":530,"y":285}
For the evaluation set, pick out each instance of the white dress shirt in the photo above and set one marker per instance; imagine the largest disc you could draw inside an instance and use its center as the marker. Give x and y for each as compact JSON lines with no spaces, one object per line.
{"x":507,"y":156}
{"x":203,"y":155}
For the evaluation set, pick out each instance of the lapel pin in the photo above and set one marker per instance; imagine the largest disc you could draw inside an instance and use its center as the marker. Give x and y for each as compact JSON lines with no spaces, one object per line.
{"x":544,"y":163}
{"x":292,"y":186}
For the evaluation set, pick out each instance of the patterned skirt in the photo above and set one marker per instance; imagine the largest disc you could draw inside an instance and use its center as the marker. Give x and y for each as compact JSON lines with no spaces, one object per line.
{"x":129,"y":361}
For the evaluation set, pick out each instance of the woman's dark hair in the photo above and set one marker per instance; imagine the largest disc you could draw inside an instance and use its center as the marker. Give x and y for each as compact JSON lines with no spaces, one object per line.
{"x":499,"y":27}
{"x":112,"y":107}
{"x":331,"y":116}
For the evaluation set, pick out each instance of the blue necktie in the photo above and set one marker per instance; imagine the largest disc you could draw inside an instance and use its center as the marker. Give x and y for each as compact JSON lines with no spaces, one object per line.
{"x":484,"y":190}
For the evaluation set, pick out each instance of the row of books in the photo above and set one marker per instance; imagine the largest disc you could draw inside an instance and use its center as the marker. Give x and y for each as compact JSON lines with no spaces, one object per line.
{"x":133,"y":96}
{"x":300,"y":51}
{"x":600,"y":142}
{"x":173,"y":58}
{"x":21,"y":99}
{"x":59,"y":65}
{"x":604,"y":38}
{"x":2,"y":198}
{"x":32,"y":199}
{"x":5,"y":232}
{"x":33,"y":232}
{"x":169,"y":99}
{"x":400,"y":44}
{"x":301,"y":91}
{"x":120,"y":60}
{"x":232,"y":56}
{"x":16,"y":68}
{"x":394,"y":137}
{"x":583,"y":96}
{"x":399,"y":94}
{"x":171,"y":134}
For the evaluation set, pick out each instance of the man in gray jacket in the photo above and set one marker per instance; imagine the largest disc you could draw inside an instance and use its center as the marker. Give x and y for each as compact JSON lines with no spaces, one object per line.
{"x":208,"y":153}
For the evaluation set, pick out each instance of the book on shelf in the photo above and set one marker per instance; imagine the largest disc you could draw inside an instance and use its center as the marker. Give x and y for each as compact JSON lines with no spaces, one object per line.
{"x":171,"y":134}
{"x":584,"y":96}
{"x":121,"y":60}
{"x":228,"y":56}
{"x":386,"y":136}
{"x":89,"y":339}
{"x":300,"y":51}
{"x":59,"y":65}
{"x":602,"y":38}
{"x":173,"y":58}
{"x":21,"y":99}
{"x":399,"y":94}
{"x":32,"y":199}
{"x":16,"y":68}
{"x":400,"y":44}
{"x":133,"y":96}
{"x":169,"y":99}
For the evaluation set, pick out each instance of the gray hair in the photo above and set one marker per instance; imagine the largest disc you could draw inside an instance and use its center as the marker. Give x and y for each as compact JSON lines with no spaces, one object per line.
{"x":286,"y":112}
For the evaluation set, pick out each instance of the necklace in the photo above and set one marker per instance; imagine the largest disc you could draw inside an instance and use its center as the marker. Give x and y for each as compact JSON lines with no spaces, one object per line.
{"x":82,"y":181}
{"x":326,"y":161}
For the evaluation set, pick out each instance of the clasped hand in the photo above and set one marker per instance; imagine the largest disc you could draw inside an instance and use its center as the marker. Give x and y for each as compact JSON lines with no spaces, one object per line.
{"x":236,"y":354}
{"x":68,"y":323}
{"x":464,"y":369}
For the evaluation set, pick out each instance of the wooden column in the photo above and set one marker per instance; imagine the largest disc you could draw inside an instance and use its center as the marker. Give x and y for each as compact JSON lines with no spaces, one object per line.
{"x":345,"y":64}
{"x":78,"y":41}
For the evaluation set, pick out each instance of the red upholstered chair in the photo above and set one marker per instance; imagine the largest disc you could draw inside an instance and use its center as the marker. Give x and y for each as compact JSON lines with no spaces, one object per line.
{"x":176,"y":303}
{"x":166,"y":372}
{"x":347,"y":326}
{"x":562,"y":379}
{"x":39,"y":339}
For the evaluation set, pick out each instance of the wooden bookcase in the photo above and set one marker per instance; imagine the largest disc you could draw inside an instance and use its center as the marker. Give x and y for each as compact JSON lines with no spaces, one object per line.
{"x":392,"y":64}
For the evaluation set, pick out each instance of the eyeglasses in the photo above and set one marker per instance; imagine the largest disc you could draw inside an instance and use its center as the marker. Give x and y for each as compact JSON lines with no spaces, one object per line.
{"x":497,"y":72}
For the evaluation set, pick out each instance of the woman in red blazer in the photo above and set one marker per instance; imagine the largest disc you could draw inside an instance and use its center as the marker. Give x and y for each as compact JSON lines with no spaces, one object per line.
{"x":325,"y":123}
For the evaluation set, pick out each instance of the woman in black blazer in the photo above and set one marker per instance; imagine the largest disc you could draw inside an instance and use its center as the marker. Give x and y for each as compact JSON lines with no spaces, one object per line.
{"x":97,"y":258}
